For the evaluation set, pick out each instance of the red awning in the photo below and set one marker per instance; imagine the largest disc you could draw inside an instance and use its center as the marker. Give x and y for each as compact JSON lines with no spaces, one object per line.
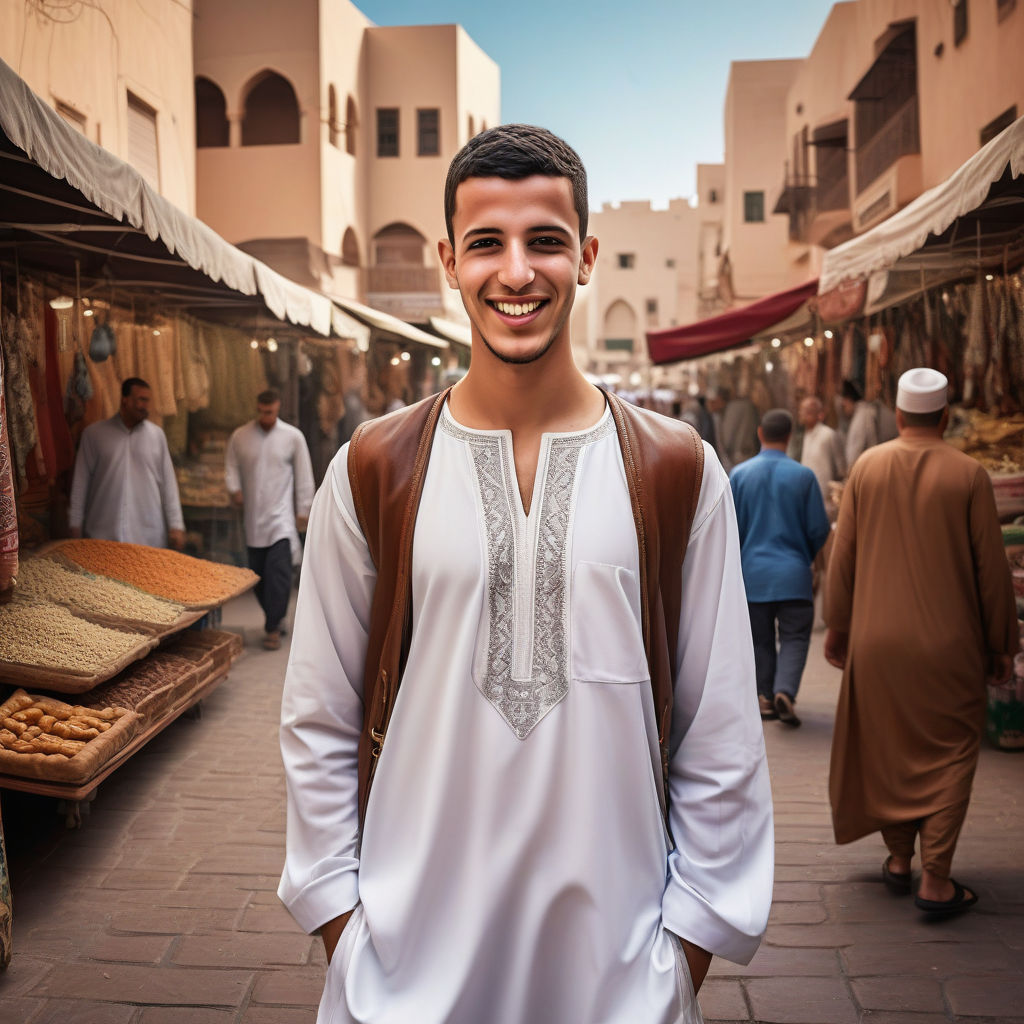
{"x":728,"y":330}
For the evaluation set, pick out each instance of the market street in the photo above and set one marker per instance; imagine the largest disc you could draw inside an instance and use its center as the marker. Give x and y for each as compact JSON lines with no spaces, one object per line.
{"x":162,"y":907}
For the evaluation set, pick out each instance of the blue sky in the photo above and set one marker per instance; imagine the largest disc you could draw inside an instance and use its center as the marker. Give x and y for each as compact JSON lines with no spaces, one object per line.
{"x":636,"y":87}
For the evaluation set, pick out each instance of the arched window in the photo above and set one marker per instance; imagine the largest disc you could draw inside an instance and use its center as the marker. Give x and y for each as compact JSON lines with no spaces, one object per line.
{"x":398,"y":244}
{"x":212,"y":127}
{"x":472,"y":127}
{"x":350,"y":249}
{"x":483,"y":126}
{"x":271,"y":112}
{"x":332,"y":115}
{"x":619,"y":327}
{"x":351,"y":126}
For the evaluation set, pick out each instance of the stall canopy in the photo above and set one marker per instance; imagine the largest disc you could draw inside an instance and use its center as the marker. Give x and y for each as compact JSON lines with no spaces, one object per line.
{"x":68,"y":205}
{"x":972,"y":221}
{"x":389,"y":324}
{"x":733,"y":329}
{"x":458,"y":333}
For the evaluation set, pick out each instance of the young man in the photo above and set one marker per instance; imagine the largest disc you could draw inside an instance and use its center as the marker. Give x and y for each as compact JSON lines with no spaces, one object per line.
{"x":920,"y":608}
{"x":783,"y":525}
{"x":124,"y":487}
{"x":511,"y":863}
{"x":269,"y":472}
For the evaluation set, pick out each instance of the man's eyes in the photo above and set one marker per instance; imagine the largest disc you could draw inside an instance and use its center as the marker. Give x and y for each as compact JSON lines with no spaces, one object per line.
{"x":541,"y":241}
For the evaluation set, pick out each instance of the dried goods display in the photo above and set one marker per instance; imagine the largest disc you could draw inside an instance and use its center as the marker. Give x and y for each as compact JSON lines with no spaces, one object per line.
{"x":149,"y":687}
{"x":41,"y":737}
{"x":45,"y":579}
{"x":192,"y":582}
{"x":47,"y":645}
{"x":996,"y":442}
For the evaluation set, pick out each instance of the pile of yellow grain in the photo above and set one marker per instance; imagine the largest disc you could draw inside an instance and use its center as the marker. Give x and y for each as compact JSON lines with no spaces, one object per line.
{"x":177,"y":577}
{"x":43,"y":579}
{"x":49,"y":636}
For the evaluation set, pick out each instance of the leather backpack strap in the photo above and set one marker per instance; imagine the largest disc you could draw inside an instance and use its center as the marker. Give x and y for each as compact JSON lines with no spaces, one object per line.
{"x":664,"y":462}
{"x":387,"y":464}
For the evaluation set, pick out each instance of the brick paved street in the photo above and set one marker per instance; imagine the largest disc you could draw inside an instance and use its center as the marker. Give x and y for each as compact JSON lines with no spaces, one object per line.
{"x":161,"y":909}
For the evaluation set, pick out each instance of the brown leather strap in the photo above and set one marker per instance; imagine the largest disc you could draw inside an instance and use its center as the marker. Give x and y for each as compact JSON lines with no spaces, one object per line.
{"x":387,"y":462}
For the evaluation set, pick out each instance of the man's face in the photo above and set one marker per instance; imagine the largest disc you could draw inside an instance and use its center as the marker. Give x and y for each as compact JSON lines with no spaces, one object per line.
{"x":135,"y":405}
{"x":516,"y":261}
{"x":810,"y":413}
{"x":266,"y":414}
{"x":847,"y":405}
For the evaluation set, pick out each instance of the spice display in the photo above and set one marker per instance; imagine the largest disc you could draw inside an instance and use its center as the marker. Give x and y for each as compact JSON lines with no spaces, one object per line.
{"x":32,"y":725}
{"x":49,"y":636}
{"x":44,"y":579}
{"x":191,"y":581}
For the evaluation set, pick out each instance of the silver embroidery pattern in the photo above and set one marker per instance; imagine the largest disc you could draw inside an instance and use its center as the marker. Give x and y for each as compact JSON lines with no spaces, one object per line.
{"x":524,"y":702}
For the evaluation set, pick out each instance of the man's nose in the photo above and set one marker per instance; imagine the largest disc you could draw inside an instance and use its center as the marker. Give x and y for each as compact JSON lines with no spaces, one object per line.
{"x":516,"y":271}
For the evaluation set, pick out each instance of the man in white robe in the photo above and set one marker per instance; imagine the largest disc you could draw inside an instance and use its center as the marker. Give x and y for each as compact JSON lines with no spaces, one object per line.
{"x":513,"y":865}
{"x":124,"y":487}
{"x":269,"y":474}
{"x":821,"y":450}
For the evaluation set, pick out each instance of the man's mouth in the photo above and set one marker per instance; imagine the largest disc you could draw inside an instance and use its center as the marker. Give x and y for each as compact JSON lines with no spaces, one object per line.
{"x":517,"y":309}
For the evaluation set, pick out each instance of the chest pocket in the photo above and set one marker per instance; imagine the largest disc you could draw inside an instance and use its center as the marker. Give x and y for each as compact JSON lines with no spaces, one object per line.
{"x":606,"y":633}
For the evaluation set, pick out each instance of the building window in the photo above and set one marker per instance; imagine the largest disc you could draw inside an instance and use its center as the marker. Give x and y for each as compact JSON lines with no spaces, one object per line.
{"x":626,"y":260}
{"x":428,"y":132}
{"x":212,"y":128}
{"x":350,"y":249}
{"x":471,"y":127}
{"x":271,"y":112}
{"x":652,"y":307}
{"x":387,"y":131}
{"x":333,"y":132}
{"x":618,"y":344}
{"x":670,"y":263}
{"x":713,"y":196}
{"x":993,"y":128}
{"x":753,"y":207}
{"x":143,"y":152}
{"x":72,"y":116}
{"x":351,"y":126}
{"x":959,"y":21}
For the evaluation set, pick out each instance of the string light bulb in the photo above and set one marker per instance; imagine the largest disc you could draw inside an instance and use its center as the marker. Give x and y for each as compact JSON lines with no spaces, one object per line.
{"x":405,"y":357}
{"x":254,"y":344}
{"x":828,"y":334}
{"x":61,"y":302}
{"x":776,"y":342}
{"x":435,"y":361}
{"x":271,"y":344}
{"x":808,"y":341}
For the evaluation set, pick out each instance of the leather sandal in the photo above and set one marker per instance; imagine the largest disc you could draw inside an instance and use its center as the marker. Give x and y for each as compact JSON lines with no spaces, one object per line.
{"x":897,"y":882}
{"x":959,"y":901}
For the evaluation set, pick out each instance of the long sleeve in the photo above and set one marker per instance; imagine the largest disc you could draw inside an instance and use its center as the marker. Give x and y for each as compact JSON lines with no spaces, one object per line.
{"x":322,"y":709}
{"x":232,"y":472}
{"x":169,"y":489}
{"x":304,"y":486}
{"x":720,"y":806}
{"x":816,"y":517}
{"x":839,"y":464}
{"x":992,"y":572}
{"x":842,"y":561}
{"x":80,"y":480}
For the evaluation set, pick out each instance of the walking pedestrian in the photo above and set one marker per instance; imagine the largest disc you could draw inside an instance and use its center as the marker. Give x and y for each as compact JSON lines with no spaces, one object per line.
{"x":123,"y":487}
{"x":738,"y":436}
{"x":870,"y":423}
{"x":269,"y":472}
{"x":782,"y":525}
{"x":920,"y":608}
{"x":573,"y":693}
{"x":822,"y":450}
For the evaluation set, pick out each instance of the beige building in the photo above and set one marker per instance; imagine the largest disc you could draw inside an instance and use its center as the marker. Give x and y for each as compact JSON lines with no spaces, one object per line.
{"x":97,"y":65}
{"x":646,"y":278}
{"x":755,"y":259}
{"x":323,"y":143}
{"x":894,"y":96}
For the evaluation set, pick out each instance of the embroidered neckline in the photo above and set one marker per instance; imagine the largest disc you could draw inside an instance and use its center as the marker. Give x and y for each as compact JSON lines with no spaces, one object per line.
{"x":524,"y":670}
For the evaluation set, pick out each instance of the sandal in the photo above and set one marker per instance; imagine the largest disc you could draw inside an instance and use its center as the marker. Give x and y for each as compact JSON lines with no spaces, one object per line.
{"x":897,"y":882}
{"x":960,"y":900}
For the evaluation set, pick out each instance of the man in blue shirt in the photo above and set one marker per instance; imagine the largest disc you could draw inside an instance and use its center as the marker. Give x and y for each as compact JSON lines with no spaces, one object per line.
{"x":782,"y":525}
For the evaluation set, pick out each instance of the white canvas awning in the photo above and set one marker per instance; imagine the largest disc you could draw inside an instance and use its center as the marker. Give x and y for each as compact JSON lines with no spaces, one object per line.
{"x":974,"y":219}
{"x":459,"y":333}
{"x":65,"y":207}
{"x":389,"y":324}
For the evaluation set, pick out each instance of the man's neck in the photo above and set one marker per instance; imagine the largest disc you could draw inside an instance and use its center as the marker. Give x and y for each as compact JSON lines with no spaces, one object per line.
{"x":128,"y":425}
{"x":928,"y":433}
{"x":549,"y":395}
{"x":775,"y":446}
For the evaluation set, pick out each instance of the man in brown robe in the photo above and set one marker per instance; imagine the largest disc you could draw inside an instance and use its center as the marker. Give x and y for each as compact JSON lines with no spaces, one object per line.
{"x":920,"y":609}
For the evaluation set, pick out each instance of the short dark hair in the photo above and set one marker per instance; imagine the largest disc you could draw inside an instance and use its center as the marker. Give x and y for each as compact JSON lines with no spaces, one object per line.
{"x":268,"y":397}
{"x":776,"y":425}
{"x":514,"y":152}
{"x":132,"y":382}
{"x":922,"y":419}
{"x":851,"y":391}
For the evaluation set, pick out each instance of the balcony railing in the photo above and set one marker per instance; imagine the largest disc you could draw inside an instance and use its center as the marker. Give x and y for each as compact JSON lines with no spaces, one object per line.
{"x":398,"y":278}
{"x":899,"y":136}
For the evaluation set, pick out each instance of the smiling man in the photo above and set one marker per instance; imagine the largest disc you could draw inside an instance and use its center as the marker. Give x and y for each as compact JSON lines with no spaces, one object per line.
{"x":523,"y":622}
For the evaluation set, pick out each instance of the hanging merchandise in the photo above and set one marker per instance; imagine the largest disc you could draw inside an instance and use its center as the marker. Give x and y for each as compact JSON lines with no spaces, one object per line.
{"x":79,"y":391}
{"x":102,"y":343}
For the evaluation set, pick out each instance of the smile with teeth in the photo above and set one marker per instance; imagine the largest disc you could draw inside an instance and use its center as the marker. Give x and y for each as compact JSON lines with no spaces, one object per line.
{"x":517,"y":308}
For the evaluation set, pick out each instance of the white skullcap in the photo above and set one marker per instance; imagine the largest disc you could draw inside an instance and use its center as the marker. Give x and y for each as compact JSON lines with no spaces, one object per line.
{"x":922,"y":390}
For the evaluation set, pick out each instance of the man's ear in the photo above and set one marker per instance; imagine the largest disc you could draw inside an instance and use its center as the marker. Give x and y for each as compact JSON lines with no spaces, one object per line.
{"x":446,"y":254}
{"x":588,"y":257}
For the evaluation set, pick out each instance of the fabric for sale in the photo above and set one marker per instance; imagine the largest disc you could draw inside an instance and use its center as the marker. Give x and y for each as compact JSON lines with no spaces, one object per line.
{"x":919,"y":579}
{"x":515,"y":817}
